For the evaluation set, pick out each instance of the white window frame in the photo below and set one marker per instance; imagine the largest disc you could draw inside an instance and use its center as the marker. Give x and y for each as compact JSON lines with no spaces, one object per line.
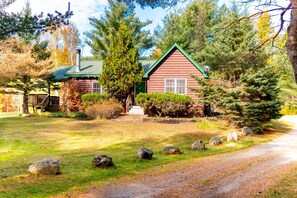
{"x":101,"y":90}
{"x":175,"y":85}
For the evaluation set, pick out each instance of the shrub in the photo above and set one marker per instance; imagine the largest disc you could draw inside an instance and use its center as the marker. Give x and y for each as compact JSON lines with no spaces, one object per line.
{"x":92,"y":99}
{"x":168,"y":104}
{"x":105,"y":110}
{"x":71,"y":96}
{"x":289,"y":108}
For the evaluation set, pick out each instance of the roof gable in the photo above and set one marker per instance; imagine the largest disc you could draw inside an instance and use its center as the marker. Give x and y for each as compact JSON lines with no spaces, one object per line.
{"x":166,"y":54}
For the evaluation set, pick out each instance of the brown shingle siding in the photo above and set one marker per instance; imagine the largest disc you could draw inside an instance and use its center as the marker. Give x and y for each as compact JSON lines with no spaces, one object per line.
{"x":176,"y":65}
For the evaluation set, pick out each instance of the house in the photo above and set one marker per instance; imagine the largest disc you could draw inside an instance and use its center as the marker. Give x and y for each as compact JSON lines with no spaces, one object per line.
{"x":170,"y":73}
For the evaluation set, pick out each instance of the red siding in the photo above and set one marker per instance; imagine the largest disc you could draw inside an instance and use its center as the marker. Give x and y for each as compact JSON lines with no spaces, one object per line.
{"x":176,"y":65}
{"x":87,"y":84}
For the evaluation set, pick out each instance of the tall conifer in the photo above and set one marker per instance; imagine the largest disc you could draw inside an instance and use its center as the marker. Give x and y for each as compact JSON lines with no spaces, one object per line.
{"x":121,"y":68}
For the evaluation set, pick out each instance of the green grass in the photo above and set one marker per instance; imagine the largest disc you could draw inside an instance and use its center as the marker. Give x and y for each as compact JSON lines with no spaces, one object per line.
{"x":24,"y":140}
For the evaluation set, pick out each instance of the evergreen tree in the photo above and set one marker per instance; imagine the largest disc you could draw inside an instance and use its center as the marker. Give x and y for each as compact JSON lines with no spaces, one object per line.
{"x":191,"y":29}
{"x":259,"y":100}
{"x":230,"y":50}
{"x":20,"y":24}
{"x":253,"y":103}
{"x":99,"y":39}
{"x":121,"y":68}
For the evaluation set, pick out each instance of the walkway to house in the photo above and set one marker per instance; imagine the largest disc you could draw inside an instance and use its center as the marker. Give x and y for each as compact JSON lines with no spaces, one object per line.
{"x":248,"y":173}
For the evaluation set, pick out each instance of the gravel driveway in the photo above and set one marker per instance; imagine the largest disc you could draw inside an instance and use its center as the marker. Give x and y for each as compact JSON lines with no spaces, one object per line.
{"x":242,"y":174}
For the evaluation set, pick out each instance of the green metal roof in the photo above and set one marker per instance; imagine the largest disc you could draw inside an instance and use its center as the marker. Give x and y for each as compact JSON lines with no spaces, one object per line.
{"x":175,"y":46}
{"x":89,"y":69}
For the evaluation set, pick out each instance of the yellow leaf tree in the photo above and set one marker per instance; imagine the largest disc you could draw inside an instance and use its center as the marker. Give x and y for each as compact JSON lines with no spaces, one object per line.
{"x":63,"y":43}
{"x":22,"y":67}
{"x":264,"y":29}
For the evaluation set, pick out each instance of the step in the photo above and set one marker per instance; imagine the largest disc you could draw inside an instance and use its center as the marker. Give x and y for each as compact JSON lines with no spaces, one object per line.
{"x":136,"y":110}
{"x":136,"y":107}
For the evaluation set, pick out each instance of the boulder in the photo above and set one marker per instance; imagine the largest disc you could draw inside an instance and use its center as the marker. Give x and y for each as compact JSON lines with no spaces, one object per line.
{"x":216,"y":140}
{"x":246,"y":131}
{"x":145,"y":153}
{"x":198,"y":145}
{"x":232,"y":136}
{"x":48,"y":166}
{"x":171,"y":150}
{"x":102,"y":161}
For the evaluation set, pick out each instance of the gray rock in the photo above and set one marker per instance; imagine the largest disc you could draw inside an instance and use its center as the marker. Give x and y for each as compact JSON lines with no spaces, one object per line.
{"x":216,"y":140}
{"x":48,"y":166}
{"x":102,"y":161}
{"x":145,"y":153}
{"x":198,"y":145}
{"x":171,"y":150}
{"x":247,"y":131}
{"x":232,"y":136}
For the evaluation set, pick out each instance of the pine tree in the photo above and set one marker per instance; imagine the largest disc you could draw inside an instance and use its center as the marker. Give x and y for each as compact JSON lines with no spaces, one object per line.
{"x":12,"y":24}
{"x":99,"y":39}
{"x":121,"y":68}
{"x":191,"y":28}
{"x":230,"y":50}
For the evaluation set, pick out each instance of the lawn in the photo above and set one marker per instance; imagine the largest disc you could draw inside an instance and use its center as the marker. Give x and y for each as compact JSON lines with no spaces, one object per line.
{"x":76,"y":142}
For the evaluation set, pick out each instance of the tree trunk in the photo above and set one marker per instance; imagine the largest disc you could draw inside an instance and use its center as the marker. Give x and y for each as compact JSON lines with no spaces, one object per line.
{"x":25,"y":103}
{"x":291,"y":43}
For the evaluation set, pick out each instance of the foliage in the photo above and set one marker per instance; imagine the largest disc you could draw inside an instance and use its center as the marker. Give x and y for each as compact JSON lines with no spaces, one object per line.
{"x":182,"y":27}
{"x":157,"y":53}
{"x":63,"y":43}
{"x":151,"y":3}
{"x":224,"y":49}
{"x":92,"y":99}
{"x":168,"y":104}
{"x":30,"y":65}
{"x":20,"y":24}
{"x":289,"y":108}
{"x":264,"y":29}
{"x":118,"y":14}
{"x":254,"y":103}
{"x":71,"y":96}
{"x":6,"y":103}
{"x":121,"y":69}
{"x":105,"y":110}
{"x":230,"y":50}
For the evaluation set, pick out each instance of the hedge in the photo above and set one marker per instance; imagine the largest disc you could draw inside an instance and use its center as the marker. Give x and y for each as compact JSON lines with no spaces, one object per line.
{"x":92,"y":99}
{"x":168,"y":104}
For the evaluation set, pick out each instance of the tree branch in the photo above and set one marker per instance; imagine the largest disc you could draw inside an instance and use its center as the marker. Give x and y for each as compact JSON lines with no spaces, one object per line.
{"x":282,"y":21}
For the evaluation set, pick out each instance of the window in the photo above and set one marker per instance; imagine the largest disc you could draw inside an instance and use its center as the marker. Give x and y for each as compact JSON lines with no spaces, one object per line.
{"x":176,"y":85}
{"x":97,"y":88}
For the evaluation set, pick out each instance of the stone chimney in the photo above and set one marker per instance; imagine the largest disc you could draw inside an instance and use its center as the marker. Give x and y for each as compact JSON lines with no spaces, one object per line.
{"x":77,"y":60}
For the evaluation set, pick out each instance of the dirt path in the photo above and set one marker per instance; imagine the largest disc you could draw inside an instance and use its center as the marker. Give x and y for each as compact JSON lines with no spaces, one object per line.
{"x":243,"y":174}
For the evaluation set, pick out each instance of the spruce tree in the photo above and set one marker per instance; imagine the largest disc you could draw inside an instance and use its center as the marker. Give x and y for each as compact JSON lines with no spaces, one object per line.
{"x":259,"y":99}
{"x":121,"y":68}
